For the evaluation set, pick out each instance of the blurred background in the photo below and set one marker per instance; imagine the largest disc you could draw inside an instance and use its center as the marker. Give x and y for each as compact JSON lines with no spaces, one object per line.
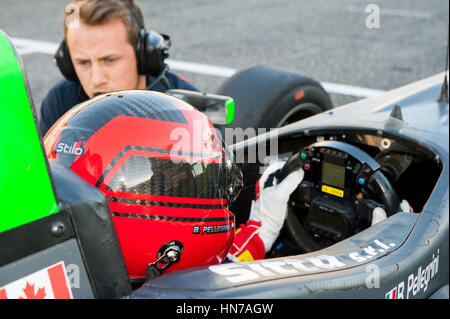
{"x":343,"y":44}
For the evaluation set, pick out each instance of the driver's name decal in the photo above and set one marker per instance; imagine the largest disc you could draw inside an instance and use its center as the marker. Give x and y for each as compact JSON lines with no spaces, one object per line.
{"x":417,"y":281}
{"x":212,"y":229}
{"x":246,"y":271}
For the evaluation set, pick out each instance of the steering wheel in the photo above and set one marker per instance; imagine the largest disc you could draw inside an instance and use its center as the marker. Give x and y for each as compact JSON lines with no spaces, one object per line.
{"x":341,"y":187}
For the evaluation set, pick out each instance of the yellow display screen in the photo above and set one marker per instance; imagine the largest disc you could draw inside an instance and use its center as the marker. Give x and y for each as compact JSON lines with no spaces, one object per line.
{"x":333,"y":174}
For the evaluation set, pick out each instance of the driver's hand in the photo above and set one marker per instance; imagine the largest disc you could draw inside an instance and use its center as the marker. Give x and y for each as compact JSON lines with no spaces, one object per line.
{"x":379,"y":214}
{"x":270,"y":207}
{"x":267,"y":215}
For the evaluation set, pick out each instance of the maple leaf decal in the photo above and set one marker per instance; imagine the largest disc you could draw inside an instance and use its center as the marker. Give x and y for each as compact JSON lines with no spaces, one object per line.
{"x":29,"y":292}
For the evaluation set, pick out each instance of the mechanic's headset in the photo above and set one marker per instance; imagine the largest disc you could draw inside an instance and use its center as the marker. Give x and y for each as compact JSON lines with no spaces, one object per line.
{"x":151,"y":50}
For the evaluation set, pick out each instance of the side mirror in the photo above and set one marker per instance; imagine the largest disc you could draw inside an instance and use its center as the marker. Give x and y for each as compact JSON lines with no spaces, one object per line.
{"x":218,"y":108}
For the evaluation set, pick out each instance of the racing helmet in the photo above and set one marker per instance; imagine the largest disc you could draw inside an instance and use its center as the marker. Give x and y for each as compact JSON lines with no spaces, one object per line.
{"x":166,"y":172}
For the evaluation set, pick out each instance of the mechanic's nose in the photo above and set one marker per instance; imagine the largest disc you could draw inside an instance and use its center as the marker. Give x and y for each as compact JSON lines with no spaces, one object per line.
{"x":98,"y":76}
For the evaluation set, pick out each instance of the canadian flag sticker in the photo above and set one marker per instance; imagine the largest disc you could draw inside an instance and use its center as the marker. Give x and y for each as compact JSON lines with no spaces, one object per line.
{"x":47,"y":283}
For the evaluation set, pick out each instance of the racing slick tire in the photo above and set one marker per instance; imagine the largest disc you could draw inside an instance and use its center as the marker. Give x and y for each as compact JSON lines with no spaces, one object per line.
{"x":270,"y":98}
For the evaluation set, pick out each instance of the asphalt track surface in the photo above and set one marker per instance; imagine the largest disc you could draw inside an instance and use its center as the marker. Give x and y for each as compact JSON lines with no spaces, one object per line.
{"x":338,"y":43}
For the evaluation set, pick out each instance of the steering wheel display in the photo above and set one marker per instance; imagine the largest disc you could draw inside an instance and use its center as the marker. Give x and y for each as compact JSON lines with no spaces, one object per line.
{"x":341,"y":187}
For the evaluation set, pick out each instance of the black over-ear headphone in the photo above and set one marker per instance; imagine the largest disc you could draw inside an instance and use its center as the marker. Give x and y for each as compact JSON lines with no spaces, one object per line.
{"x":151,"y":50}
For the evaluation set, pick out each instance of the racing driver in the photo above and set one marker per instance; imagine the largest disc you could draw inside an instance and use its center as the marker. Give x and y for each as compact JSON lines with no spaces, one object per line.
{"x":165,"y":192}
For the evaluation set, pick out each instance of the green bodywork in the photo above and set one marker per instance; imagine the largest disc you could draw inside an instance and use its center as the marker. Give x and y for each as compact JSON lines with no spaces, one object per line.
{"x":26,"y":190}
{"x":229,"y":106}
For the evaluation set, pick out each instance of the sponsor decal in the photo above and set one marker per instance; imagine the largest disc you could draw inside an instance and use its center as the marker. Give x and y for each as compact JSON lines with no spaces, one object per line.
{"x":332,"y":191}
{"x":70,"y":149}
{"x":47,"y":283}
{"x":212,"y":229}
{"x":416,"y":282}
{"x":240,"y":272}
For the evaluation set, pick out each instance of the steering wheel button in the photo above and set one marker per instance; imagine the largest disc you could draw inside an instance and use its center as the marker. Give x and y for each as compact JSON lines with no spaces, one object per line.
{"x":361,"y":181}
{"x":303,"y":155}
{"x":307,"y":167}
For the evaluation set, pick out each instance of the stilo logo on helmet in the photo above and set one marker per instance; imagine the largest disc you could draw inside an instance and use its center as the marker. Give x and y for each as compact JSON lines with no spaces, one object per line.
{"x":157,"y":191}
{"x":73,"y":148}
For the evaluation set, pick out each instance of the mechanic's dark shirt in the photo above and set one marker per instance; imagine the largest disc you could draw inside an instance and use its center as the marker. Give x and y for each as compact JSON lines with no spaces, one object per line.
{"x":66,"y":94}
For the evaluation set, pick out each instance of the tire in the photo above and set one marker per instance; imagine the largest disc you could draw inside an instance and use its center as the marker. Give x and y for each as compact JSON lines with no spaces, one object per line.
{"x":269,"y":98}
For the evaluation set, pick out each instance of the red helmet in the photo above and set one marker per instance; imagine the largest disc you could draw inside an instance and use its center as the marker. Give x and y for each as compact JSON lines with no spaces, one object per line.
{"x":166,"y":173}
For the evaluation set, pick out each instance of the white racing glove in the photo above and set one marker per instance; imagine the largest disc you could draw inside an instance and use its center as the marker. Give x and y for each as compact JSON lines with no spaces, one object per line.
{"x":379,"y":214}
{"x":270,"y":207}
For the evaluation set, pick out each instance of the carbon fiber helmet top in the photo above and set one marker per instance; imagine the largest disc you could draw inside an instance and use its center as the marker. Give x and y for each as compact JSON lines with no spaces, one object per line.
{"x":166,"y":173}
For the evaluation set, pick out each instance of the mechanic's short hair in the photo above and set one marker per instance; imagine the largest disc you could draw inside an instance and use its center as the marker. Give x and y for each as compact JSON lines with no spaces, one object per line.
{"x":97,"y":12}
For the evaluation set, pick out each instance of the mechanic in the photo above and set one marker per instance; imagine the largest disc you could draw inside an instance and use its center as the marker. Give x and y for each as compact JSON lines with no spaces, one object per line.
{"x":106,"y":48}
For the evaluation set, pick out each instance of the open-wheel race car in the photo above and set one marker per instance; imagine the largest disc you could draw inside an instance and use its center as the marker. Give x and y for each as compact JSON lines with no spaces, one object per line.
{"x":377,"y":152}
